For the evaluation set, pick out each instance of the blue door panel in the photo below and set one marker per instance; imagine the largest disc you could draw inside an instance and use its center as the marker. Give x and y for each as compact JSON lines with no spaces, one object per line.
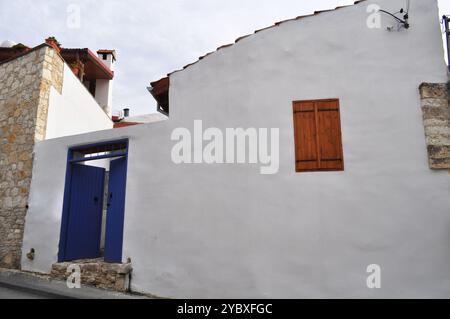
{"x":116,"y":208}
{"x":85,"y":212}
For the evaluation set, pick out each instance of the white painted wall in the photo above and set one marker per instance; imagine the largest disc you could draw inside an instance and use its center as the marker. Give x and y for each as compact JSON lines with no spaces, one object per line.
{"x":104,"y":88}
{"x":103,"y":94}
{"x":227,"y":231}
{"x":74,"y":111}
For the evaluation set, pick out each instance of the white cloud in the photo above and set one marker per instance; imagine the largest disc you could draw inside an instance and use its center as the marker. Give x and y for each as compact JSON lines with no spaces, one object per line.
{"x":152,"y":37}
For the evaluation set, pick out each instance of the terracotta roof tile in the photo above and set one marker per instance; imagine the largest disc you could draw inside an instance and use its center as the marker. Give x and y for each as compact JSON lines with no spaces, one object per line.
{"x":270,"y":27}
{"x":72,"y":53}
{"x":242,"y":38}
{"x":125,"y":124}
{"x":224,"y":46}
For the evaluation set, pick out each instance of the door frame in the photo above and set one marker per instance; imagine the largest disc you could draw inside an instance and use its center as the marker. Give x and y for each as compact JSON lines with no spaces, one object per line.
{"x":68,"y":182}
{"x":115,"y":216}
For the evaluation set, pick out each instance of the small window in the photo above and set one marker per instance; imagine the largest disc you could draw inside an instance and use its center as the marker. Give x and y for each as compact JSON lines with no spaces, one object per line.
{"x":318,"y":141}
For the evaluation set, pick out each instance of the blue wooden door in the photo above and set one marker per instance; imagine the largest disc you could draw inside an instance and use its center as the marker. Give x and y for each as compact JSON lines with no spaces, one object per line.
{"x":116,"y":208}
{"x":85,"y":212}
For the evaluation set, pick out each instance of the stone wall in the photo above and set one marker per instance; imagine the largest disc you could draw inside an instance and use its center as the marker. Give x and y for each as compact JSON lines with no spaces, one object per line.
{"x":97,"y":273}
{"x":24,"y":92}
{"x":436,"y":116}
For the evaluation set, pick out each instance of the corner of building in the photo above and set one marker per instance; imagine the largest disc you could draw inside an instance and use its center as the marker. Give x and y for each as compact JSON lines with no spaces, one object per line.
{"x":25,"y":83}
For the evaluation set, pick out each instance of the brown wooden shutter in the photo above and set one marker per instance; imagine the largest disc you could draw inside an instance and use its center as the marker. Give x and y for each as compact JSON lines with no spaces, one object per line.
{"x":318,"y":142}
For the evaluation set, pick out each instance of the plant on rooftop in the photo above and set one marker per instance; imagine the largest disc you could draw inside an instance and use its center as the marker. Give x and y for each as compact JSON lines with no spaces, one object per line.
{"x":54,"y":43}
{"x":53,"y":39}
{"x":76,"y":67}
{"x":20,"y":47}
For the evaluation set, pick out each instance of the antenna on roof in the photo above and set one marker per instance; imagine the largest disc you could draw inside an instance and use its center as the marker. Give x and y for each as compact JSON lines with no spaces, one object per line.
{"x":403,"y":21}
{"x":406,"y":16}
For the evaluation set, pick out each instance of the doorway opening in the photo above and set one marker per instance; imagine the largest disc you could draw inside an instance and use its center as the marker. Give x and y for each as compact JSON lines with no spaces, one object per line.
{"x":94,"y":202}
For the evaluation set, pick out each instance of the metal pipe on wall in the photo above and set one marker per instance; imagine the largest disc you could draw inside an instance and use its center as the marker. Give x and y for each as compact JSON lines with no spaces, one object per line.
{"x":446,"y":20}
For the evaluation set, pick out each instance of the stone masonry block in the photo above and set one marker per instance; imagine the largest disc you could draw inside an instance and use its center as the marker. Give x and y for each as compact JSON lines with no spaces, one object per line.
{"x":436,"y":115}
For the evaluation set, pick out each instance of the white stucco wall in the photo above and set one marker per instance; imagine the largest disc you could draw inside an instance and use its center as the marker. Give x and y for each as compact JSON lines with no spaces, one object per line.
{"x":227,"y":231}
{"x":104,"y":88}
{"x":74,"y":111}
{"x":103,"y":94}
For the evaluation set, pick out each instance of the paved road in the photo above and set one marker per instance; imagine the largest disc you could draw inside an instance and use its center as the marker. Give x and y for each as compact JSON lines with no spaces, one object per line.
{"x":16,"y":284}
{"x":14,"y":293}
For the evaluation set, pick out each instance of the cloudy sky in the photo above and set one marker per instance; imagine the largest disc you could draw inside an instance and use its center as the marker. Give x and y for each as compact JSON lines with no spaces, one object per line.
{"x":151,"y":37}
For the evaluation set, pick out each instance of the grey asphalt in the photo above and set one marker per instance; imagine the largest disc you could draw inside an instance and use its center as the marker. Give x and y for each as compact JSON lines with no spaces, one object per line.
{"x":14,"y":293}
{"x":20,"y":285}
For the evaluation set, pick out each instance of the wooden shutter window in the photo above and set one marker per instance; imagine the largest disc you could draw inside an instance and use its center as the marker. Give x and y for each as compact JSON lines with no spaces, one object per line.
{"x":318,"y":141}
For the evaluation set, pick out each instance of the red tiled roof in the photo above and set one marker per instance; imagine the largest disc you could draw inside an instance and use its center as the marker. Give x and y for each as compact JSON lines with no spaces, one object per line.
{"x":9,"y":54}
{"x":94,"y":67}
{"x":160,"y":85}
{"x":124,"y":124}
{"x":93,"y":64}
{"x":245,"y":36}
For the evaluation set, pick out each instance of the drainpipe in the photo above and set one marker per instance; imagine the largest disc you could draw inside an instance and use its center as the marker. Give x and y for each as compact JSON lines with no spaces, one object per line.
{"x":446,"y":20}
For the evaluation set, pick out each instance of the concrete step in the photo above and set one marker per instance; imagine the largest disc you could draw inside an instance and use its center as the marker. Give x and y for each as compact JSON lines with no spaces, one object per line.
{"x":97,"y":273}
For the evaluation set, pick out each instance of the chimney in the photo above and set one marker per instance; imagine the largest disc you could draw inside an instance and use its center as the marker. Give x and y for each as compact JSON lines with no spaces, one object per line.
{"x":126,"y":112}
{"x":108,"y":57}
{"x":104,"y":88}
